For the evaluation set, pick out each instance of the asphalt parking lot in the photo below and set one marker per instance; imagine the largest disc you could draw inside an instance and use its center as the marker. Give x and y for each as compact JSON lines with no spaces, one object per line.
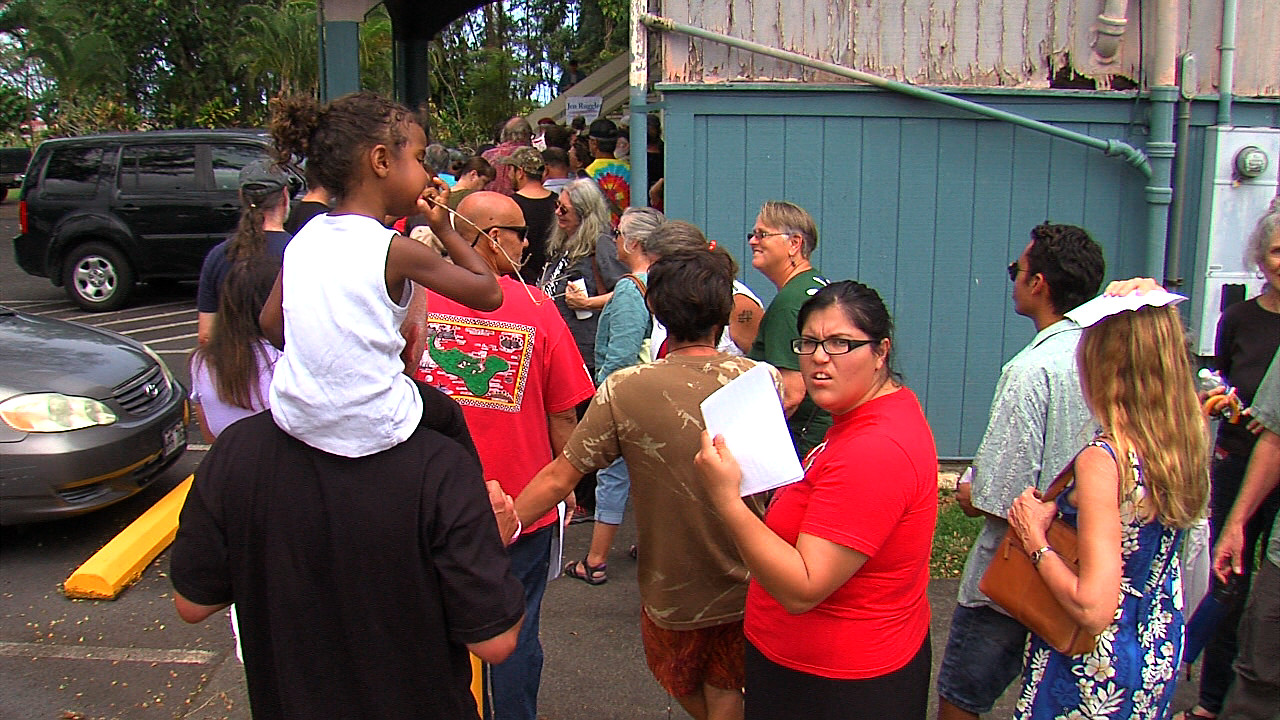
{"x":134,"y":658}
{"x":63,"y":659}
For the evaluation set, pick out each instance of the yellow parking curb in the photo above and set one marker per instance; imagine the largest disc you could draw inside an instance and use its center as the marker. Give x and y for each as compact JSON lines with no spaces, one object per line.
{"x":121,"y":561}
{"x":477,"y":684}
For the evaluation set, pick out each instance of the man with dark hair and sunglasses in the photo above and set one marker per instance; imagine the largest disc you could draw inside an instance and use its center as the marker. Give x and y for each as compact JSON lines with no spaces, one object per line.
{"x":517,"y":374}
{"x":1038,"y":422}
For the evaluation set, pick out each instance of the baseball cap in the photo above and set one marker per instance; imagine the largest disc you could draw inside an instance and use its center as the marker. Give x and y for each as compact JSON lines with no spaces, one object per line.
{"x":603,"y":129}
{"x":262,"y":177}
{"x":526,"y":158}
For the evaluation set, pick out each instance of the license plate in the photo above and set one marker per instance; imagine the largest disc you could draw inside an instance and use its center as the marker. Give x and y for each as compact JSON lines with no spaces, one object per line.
{"x":174,"y":439}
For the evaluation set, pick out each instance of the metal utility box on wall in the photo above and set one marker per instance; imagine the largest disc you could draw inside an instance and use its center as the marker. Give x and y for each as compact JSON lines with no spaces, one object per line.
{"x":1241,"y":177}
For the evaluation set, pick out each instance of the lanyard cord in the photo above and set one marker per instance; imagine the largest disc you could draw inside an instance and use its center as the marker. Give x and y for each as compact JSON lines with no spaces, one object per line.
{"x":514,"y":264}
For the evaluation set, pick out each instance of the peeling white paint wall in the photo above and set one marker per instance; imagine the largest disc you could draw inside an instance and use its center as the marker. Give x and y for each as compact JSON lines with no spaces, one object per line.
{"x":987,"y":43}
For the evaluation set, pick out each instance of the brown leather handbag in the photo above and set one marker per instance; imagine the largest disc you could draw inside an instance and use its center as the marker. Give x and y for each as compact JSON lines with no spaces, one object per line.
{"x":1016,"y":586}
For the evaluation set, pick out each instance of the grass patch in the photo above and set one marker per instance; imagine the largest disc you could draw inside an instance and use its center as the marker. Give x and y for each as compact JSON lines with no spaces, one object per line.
{"x":952,"y":538}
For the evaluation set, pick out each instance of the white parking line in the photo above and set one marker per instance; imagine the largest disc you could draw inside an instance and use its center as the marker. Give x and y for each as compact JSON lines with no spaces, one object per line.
{"x":149,"y":328}
{"x":27,"y":305}
{"x":140,"y":318}
{"x":171,"y":339}
{"x":43,"y":651}
{"x":111,"y":316}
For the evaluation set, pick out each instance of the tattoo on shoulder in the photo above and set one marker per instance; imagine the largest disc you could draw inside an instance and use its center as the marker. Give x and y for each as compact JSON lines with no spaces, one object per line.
{"x":745,"y":316}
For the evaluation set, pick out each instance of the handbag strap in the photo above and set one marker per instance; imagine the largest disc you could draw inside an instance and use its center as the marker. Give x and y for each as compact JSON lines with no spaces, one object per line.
{"x":639,"y":283}
{"x":1060,"y":483}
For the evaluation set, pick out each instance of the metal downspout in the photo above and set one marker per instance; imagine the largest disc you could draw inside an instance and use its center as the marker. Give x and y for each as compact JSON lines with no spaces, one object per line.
{"x":1161,"y":148}
{"x":1117,"y":148}
{"x":1186,"y":93}
{"x":1111,"y":24}
{"x":1227,"y":64}
{"x":639,"y":96}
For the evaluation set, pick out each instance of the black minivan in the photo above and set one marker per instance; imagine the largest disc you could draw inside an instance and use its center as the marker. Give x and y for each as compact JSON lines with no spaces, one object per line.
{"x":101,"y":213}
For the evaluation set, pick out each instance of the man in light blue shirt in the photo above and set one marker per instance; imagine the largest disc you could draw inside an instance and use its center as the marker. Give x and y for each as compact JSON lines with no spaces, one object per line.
{"x":1038,"y":422}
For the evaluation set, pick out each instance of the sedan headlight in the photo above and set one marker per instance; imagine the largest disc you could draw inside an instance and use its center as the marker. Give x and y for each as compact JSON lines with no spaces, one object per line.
{"x":54,"y":412}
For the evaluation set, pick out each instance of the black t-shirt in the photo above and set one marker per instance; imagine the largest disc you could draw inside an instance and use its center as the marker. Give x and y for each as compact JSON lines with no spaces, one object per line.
{"x":1248,"y":335}
{"x":216,"y":266}
{"x":357,"y":581}
{"x":303,"y":212}
{"x":655,"y":166}
{"x":540,"y":218}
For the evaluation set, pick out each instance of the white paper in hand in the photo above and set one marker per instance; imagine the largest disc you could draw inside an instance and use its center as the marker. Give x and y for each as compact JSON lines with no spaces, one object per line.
{"x":748,"y":413}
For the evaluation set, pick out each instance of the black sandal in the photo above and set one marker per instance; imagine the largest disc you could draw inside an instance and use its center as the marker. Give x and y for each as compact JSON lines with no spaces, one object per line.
{"x":586,"y":572}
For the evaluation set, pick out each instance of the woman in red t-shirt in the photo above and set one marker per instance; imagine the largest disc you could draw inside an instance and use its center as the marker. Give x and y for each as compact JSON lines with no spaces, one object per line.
{"x":837,"y":615}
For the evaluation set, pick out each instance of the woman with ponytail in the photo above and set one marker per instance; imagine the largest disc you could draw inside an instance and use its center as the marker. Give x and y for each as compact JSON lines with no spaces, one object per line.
{"x":264,"y":202}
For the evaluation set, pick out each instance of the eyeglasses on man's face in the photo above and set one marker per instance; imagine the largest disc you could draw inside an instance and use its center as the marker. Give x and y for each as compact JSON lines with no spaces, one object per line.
{"x":1014,"y":270}
{"x":831,"y":345}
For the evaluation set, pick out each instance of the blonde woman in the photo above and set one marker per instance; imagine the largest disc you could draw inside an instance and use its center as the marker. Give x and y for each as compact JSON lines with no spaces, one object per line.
{"x":1138,"y":485}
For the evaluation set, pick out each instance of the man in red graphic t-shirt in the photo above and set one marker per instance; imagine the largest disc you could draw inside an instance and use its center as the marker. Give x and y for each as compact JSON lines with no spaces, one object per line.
{"x":517,"y":374}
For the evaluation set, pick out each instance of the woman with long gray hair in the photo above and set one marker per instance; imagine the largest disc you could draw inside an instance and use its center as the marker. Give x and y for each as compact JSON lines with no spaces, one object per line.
{"x":582,"y":268}
{"x":581,"y":247}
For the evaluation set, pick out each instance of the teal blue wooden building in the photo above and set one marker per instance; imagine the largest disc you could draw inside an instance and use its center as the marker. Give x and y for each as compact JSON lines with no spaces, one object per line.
{"x":929,"y":203}
{"x":926,"y":204}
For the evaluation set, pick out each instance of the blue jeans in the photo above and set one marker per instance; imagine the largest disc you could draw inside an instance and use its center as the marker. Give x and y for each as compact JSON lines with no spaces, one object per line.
{"x":515,"y":682}
{"x":983,"y":656}
{"x":613,"y":484}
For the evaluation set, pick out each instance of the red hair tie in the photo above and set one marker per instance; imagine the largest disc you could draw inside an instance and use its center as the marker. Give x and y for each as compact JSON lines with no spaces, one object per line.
{"x":712,"y":246}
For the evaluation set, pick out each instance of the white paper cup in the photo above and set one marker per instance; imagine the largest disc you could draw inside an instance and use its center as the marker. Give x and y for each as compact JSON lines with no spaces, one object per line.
{"x":580,"y":284}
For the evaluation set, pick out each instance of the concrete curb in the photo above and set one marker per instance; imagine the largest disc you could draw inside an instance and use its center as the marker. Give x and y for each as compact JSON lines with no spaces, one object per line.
{"x":122,"y":560}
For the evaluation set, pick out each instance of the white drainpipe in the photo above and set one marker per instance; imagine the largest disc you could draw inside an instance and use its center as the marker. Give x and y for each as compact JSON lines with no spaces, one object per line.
{"x":639,"y":100}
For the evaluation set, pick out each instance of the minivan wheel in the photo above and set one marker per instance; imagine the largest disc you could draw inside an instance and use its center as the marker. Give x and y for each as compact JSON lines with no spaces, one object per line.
{"x":97,"y":277}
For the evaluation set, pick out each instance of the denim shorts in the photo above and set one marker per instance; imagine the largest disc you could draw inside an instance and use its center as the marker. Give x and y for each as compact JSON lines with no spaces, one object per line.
{"x":613,"y":484}
{"x":984,"y":655}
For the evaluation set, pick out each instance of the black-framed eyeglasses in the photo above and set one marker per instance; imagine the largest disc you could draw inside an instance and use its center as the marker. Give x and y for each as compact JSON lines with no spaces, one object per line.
{"x":1014,"y":270}
{"x":831,"y":345}
{"x":563,"y":209}
{"x":519,"y":230}
{"x":758,"y":235}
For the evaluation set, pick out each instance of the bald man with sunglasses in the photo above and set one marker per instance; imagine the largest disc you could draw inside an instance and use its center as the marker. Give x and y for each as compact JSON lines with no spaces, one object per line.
{"x":518,"y":375}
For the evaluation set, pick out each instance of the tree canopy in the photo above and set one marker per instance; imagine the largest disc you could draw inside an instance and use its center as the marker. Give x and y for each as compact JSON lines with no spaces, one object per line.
{"x":91,"y":65}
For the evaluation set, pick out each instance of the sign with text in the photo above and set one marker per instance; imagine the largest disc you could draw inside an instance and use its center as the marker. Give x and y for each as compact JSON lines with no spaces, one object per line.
{"x":585,"y":106}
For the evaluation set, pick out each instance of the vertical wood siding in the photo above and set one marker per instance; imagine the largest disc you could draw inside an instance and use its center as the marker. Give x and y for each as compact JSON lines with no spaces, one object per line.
{"x":923,"y":203}
{"x":962,"y":42}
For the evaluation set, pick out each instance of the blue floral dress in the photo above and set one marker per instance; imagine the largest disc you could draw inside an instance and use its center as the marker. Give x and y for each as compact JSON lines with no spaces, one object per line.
{"x":1132,"y":672}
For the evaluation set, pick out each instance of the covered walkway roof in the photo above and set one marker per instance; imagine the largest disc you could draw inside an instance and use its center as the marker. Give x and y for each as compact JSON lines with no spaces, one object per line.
{"x":413,"y":24}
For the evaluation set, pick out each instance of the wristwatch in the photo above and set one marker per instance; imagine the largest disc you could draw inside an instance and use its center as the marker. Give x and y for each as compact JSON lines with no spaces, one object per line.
{"x":1035,"y":556}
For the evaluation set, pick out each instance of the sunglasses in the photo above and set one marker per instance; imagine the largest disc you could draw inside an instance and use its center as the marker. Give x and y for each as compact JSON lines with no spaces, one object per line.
{"x":563,"y":209}
{"x":1014,"y":270}
{"x":519,"y":230}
